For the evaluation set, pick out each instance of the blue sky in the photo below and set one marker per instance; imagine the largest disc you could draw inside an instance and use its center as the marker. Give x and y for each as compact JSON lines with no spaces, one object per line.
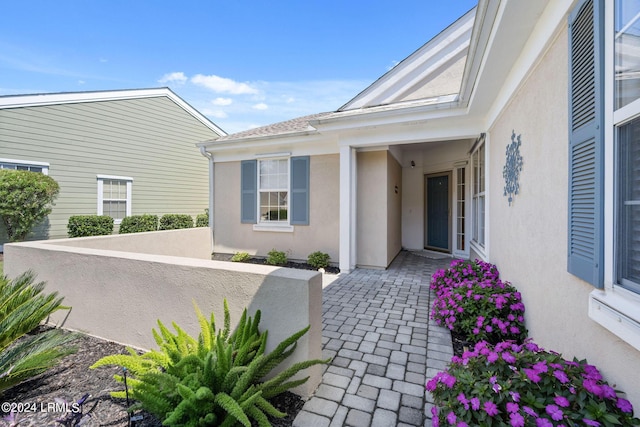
{"x":241,"y":63}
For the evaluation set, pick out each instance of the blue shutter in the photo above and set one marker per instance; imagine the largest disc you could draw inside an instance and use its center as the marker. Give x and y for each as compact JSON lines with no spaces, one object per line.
{"x":299,"y":191}
{"x":586,"y":125}
{"x":249,"y":191}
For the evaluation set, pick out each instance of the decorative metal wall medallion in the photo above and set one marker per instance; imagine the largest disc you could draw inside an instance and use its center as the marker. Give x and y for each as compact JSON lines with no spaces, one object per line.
{"x":512,"y":168}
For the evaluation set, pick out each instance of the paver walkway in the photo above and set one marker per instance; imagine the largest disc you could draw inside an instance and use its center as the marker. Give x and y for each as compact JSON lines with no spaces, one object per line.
{"x":376,"y":327}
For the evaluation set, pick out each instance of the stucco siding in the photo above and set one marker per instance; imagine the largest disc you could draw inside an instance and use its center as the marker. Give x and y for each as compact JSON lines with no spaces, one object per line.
{"x":528,"y":239}
{"x":322,"y":233}
{"x":371,"y":212}
{"x":150,"y":140}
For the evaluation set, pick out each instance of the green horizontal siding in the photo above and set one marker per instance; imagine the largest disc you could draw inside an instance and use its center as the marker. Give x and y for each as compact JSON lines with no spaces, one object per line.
{"x":150,"y":140}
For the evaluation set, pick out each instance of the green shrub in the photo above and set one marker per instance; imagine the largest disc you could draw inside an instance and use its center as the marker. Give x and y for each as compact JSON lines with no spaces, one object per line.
{"x":318,"y":259}
{"x":240,"y":257}
{"x":175,"y":221}
{"x":138,"y":224}
{"x":26,"y":199}
{"x":23,"y":307}
{"x":89,"y":225}
{"x":275,"y":257}
{"x":202,"y":220}
{"x":214,"y":380}
{"x":513,"y":384}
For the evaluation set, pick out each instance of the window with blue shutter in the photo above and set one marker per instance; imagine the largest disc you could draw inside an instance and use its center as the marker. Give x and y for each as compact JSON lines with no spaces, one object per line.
{"x":249,"y":193}
{"x":586,"y":126}
{"x":275,"y":192}
{"x":300,"y":190}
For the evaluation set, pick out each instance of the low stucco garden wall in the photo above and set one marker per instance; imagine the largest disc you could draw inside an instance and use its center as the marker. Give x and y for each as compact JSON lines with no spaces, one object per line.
{"x":120,"y":295}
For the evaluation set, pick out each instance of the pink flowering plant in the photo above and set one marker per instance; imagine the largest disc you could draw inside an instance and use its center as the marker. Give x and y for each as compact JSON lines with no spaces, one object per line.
{"x":476,"y":305}
{"x":521,"y":385}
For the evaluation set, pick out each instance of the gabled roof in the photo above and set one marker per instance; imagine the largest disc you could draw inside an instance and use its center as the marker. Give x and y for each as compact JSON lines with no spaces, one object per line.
{"x":434,"y":70}
{"x":34,"y":100}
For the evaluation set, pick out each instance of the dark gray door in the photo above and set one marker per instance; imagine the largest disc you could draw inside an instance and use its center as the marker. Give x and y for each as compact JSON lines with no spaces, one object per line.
{"x":437,"y":209}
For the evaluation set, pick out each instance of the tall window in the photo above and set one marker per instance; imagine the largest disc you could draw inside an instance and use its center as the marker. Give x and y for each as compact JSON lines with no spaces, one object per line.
{"x":25,"y":165}
{"x":273,"y":188}
{"x":460,"y":206}
{"x":627,"y":121}
{"x":114,"y":196}
{"x":478,"y":201}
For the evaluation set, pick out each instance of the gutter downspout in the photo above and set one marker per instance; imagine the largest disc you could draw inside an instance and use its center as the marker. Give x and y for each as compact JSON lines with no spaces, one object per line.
{"x":209,"y":156}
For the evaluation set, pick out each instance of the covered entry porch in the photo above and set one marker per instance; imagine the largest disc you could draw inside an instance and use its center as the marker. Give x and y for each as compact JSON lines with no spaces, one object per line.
{"x":413,"y":196}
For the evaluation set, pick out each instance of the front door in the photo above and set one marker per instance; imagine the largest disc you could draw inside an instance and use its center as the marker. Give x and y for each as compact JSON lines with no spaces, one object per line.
{"x":437,"y":209}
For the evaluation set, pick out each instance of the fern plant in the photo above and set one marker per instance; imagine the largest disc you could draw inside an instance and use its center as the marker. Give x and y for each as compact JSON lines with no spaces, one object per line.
{"x":23,"y":307}
{"x":214,"y":380}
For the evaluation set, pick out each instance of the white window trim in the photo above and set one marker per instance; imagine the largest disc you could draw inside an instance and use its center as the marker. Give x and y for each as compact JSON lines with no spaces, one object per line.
{"x":43,"y":165}
{"x":479,"y":249}
{"x":614,"y":307}
{"x":129,"y":182}
{"x":282,"y":227}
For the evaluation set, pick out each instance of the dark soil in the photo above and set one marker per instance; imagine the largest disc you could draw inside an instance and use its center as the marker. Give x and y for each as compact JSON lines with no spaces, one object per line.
{"x":72,"y":378}
{"x":289,"y":264}
{"x":459,"y":344}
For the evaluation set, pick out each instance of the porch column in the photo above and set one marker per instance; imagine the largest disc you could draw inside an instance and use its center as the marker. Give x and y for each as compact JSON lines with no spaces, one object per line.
{"x":347,"y":209}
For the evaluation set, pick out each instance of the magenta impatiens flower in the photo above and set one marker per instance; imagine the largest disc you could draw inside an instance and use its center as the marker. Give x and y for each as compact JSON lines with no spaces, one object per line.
{"x":589,"y":422}
{"x":451,"y":418}
{"x":624,"y":405}
{"x":516,"y":420}
{"x":527,"y":410}
{"x":475,"y":403}
{"x":543,"y":422}
{"x":561,"y":376}
{"x":561,"y":401}
{"x":512,"y":407}
{"x":555,"y":412}
{"x":490,"y":408}
{"x":532,"y":375}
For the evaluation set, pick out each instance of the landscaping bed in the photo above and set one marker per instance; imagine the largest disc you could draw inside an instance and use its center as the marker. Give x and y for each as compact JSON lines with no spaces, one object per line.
{"x":72,"y":378}
{"x":288,"y":264}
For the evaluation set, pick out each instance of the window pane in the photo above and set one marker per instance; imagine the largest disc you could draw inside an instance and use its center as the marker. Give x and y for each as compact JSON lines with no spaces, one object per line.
{"x":627,"y":51}
{"x":628,"y":231}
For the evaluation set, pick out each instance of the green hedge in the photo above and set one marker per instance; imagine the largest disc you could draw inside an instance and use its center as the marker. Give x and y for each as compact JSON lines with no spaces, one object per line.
{"x":202,"y":220}
{"x":139,"y":224}
{"x":89,"y":225}
{"x":175,"y":221}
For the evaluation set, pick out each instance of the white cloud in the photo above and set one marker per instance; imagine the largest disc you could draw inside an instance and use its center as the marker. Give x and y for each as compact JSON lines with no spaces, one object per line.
{"x":218,"y":114}
{"x":103,"y":60}
{"x":260,"y":106}
{"x":176,"y":77}
{"x":81,"y":82}
{"x":223,"y":85}
{"x":222,"y":101}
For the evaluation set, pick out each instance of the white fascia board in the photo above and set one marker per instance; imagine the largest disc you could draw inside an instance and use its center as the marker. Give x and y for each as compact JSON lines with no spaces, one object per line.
{"x":366,"y":118}
{"x":35,"y":100}
{"x":312,"y":145}
{"x":452,"y":128}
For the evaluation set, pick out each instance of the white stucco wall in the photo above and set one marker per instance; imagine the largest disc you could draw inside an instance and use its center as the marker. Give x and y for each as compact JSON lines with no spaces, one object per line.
{"x":119,"y":296}
{"x":371,"y":212}
{"x":528,"y":239}
{"x":322,"y":233}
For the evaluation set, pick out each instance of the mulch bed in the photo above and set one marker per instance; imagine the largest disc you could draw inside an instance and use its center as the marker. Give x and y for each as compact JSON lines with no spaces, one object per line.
{"x":289,"y":264}
{"x":72,"y":378}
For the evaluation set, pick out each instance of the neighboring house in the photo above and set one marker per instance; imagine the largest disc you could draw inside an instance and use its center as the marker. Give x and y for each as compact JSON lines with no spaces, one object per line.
{"x":428,"y":156}
{"x":116,"y":153}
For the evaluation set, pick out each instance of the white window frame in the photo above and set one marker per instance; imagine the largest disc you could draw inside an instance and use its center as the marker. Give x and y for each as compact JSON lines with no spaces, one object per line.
{"x":25,"y":163}
{"x":479,"y":231}
{"x":129,"y":183}
{"x":614,"y":307}
{"x":267,"y":225}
